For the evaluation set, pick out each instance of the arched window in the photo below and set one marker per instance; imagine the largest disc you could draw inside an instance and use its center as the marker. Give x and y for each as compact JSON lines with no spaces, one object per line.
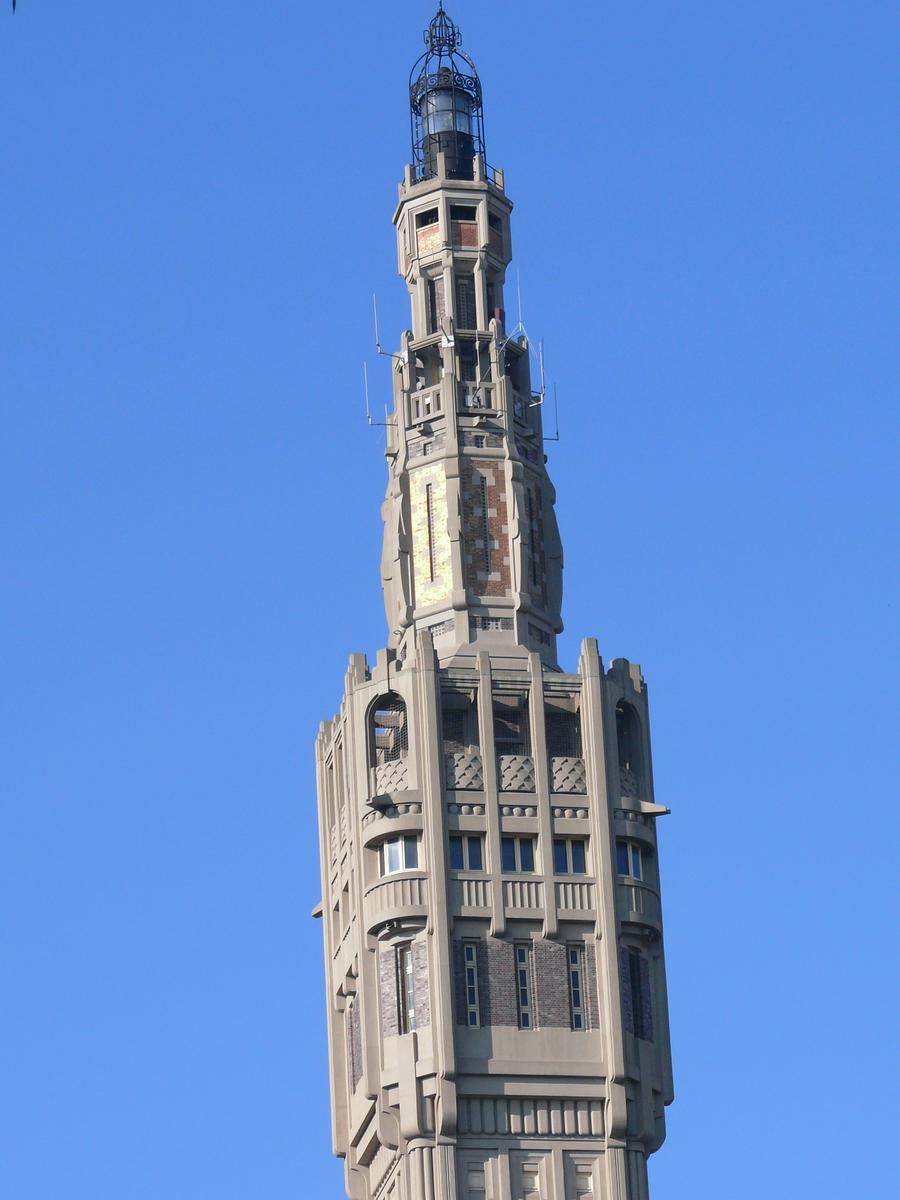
{"x":630,"y":746}
{"x":390,"y":739}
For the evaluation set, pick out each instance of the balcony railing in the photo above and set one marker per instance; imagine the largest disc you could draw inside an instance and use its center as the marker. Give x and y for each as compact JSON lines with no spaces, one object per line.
{"x":397,"y":896}
{"x":568,"y":775}
{"x":476,"y":396}
{"x":462,"y":771}
{"x":575,"y":897}
{"x":424,"y":403}
{"x":515,"y":772}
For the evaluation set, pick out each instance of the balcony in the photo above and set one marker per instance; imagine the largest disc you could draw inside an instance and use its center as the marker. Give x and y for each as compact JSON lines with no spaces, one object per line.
{"x":391,"y":777}
{"x":469,"y":894}
{"x":568,"y":776}
{"x":462,"y":772}
{"x":476,"y":397}
{"x":575,"y":897}
{"x":515,"y":772}
{"x":424,"y":403}
{"x":397,"y":897}
{"x":639,"y":904}
{"x":523,"y":894}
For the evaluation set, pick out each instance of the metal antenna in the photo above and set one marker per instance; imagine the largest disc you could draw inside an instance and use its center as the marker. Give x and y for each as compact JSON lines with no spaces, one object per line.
{"x":401,"y":358}
{"x":370,"y":420}
{"x":555,"y":437}
{"x":538,"y":398}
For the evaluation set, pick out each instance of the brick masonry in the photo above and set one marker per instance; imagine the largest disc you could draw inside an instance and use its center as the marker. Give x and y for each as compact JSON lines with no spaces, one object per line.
{"x":420,"y":984}
{"x":387,"y":972}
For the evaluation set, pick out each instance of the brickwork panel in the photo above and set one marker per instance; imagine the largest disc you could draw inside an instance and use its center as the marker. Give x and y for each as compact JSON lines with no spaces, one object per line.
{"x":551,"y":985}
{"x":497,"y":581}
{"x":420,"y":985}
{"x":388,"y":986}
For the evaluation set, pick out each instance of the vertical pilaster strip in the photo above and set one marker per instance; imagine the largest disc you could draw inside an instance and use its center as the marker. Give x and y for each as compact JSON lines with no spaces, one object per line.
{"x":491,"y":791}
{"x":542,"y":787}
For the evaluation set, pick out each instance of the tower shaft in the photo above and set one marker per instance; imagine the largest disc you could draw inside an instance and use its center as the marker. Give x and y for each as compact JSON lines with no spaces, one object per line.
{"x":496,"y":996}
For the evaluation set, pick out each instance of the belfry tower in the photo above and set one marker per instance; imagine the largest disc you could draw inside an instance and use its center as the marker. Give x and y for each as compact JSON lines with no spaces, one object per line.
{"x":495,"y":979}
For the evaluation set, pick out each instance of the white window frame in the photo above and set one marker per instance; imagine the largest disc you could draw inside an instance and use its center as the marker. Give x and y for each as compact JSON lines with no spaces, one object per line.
{"x":471,"y":985}
{"x":575,"y":965}
{"x":407,"y":847}
{"x":524,"y":984}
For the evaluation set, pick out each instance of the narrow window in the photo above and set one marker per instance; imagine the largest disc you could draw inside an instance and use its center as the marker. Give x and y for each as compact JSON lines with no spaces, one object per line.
{"x":523,"y":985}
{"x":470,"y":959}
{"x":512,"y":734}
{"x":390,"y":739}
{"x":429,"y":509}
{"x":465,"y":302}
{"x":436,"y":307}
{"x":485,"y":525}
{"x":456,"y":853}
{"x":406,"y":990}
{"x":532,"y":539}
{"x":639,"y":979}
{"x":576,"y":986}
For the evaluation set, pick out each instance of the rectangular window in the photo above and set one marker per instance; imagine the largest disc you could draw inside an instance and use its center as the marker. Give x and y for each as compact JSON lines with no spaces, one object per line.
{"x":576,"y":986}
{"x":639,"y":980}
{"x":429,"y":513}
{"x":436,"y":307}
{"x":399,"y":854}
{"x":406,"y":990}
{"x":512,"y":734}
{"x":569,"y":856}
{"x":524,"y":989}
{"x":463,"y":212}
{"x":466,"y":852}
{"x":517,"y":853}
{"x":629,"y":860}
{"x":470,"y":960}
{"x":476,"y":1183}
{"x":485,"y":526}
{"x":465,"y":302}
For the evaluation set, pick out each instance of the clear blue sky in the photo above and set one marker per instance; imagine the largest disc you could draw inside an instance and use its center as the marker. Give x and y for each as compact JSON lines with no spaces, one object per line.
{"x":195,"y":211}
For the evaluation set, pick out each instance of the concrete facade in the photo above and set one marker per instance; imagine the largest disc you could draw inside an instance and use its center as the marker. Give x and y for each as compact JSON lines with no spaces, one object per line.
{"x":495,"y":978}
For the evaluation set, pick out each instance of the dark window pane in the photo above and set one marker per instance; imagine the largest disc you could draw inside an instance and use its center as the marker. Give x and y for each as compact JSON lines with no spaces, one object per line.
{"x":622,"y":858}
{"x":526,"y":854}
{"x":456,"y":853}
{"x":508,"y":853}
{"x":474,"y":853}
{"x":560,"y":861}
{"x":636,"y":862}
{"x":412,"y":853}
{"x":578,"y":859}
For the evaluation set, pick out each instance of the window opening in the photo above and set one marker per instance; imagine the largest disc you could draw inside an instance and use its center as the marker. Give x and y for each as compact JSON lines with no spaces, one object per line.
{"x":436,"y":305}
{"x":466,"y":852}
{"x":523,"y":985}
{"x":429,"y":509}
{"x":470,"y":959}
{"x":517,"y":854}
{"x":465,"y":302}
{"x":569,"y":856}
{"x":389,"y":729}
{"x":639,"y":979}
{"x":485,"y":525}
{"x":576,"y":986}
{"x":399,"y":854}
{"x":563,"y":734}
{"x":406,"y":989}
{"x":511,"y":732}
{"x":629,"y":860}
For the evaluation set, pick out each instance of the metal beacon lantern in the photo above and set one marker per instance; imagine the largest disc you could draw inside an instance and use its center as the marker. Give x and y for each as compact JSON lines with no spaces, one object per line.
{"x":445,"y":103}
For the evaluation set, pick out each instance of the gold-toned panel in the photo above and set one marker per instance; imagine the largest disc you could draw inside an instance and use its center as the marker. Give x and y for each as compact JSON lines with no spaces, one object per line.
{"x":430,"y":540}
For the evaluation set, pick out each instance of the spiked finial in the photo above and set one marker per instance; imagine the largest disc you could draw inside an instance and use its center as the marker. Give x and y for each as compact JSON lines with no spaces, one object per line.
{"x":441,"y":36}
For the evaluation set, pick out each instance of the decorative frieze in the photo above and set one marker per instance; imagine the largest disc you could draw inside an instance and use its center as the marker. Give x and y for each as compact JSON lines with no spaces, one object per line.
{"x":568,"y":775}
{"x":515,"y":772}
{"x":509,"y":1116}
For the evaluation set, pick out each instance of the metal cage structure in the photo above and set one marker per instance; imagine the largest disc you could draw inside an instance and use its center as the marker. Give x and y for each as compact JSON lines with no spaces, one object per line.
{"x":446,"y":112}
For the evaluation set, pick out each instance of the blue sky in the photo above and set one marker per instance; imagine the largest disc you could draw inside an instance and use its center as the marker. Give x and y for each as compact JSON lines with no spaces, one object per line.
{"x":194,"y":214}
